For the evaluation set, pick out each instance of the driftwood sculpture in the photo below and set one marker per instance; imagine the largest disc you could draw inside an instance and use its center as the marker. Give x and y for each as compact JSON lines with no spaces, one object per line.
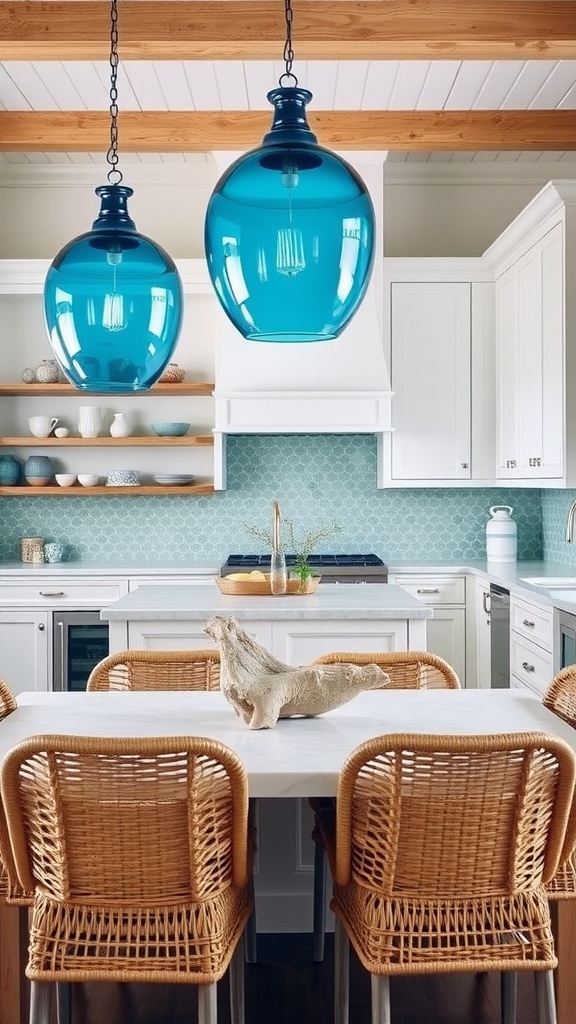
{"x":262,"y":689}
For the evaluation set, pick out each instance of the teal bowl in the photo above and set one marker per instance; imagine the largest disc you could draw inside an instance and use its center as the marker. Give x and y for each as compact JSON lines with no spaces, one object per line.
{"x":171,"y":429}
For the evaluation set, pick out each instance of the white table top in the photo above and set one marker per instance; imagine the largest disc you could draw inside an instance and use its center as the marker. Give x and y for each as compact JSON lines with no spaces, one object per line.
{"x":375,"y":601}
{"x":298,"y":758}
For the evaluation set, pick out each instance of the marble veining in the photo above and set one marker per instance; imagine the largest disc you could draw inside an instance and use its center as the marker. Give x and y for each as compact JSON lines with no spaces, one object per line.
{"x":301,"y":756}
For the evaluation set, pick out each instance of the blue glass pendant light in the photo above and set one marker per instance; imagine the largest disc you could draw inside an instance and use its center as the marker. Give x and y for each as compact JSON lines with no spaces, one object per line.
{"x":113,"y":299}
{"x":289,"y":231}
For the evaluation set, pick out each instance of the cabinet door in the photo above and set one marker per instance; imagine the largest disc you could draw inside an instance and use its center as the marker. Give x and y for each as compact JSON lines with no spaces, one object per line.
{"x":446,"y":634}
{"x":530,"y":381}
{"x":300,"y":642}
{"x":430,"y":371}
{"x":167,"y":635}
{"x":24,"y":641}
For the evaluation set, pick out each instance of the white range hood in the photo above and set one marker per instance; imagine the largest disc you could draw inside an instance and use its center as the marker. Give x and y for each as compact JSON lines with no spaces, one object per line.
{"x":339,"y":386}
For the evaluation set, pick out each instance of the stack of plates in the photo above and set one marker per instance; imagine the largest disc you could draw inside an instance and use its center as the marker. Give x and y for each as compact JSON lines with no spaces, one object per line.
{"x":173,"y":478}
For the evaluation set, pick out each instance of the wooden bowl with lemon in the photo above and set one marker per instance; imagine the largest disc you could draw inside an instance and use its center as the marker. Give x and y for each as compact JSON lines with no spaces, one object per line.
{"x":257,"y":584}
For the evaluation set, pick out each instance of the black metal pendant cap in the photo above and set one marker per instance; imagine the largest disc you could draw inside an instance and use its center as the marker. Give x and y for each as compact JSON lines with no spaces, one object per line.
{"x":114,"y":208}
{"x":289,"y":124}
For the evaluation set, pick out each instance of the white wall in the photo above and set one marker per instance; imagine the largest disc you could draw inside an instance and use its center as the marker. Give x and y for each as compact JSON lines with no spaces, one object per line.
{"x":430,"y":209}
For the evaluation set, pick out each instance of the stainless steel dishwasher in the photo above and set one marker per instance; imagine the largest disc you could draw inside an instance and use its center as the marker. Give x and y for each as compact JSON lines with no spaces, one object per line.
{"x":499,"y":637}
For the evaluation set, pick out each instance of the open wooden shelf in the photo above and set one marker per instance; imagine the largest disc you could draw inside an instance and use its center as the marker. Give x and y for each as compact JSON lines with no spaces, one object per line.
{"x":27,"y":490}
{"x":185,"y":388}
{"x":188,"y":441}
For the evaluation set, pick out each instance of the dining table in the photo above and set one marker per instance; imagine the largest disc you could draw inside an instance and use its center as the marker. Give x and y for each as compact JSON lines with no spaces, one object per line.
{"x":300,"y":757}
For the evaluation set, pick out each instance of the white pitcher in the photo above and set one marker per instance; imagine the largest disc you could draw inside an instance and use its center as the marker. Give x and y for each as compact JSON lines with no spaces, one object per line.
{"x":89,"y":420}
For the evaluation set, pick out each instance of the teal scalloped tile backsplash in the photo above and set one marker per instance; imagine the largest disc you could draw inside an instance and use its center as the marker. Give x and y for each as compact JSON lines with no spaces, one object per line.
{"x":316,"y":478}
{"x":555,"y":507}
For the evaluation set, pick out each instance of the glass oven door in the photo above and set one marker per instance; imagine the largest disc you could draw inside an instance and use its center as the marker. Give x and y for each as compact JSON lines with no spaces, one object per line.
{"x":80,"y":642}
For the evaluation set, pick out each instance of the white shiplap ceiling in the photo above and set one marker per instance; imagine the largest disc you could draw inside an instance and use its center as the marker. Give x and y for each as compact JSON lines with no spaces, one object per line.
{"x":336,"y":85}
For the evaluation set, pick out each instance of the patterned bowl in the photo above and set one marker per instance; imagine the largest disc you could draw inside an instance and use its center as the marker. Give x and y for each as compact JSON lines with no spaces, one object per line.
{"x":172,"y":428}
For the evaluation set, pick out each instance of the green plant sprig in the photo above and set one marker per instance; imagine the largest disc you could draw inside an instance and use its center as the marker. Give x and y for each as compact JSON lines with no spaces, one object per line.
{"x":302,"y":547}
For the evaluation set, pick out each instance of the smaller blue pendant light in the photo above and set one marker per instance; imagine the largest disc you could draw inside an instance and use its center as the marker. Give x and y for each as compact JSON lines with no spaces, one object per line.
{"x":113,"y":299}
{"x":289,"y":230}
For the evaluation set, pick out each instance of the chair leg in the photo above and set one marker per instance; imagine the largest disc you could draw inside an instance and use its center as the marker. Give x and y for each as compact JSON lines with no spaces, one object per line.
{"x":380,"y":985}
{"x":236,"y":978}
{"x":508,"y":993}
{"x":545,"y":997}
{"x":251,"y":933}
{"x":40,"y":993}
{"x":341,"y":974}
{"x":319,"y":910}
{"x":208,"y":1003}
{"x":64,"y":1002}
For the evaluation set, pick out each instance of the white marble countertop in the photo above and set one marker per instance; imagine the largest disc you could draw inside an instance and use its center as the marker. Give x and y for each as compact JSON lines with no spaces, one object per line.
{"x":377,"y":601}
{"x":301,"y":756}
{"x":102,"y":568}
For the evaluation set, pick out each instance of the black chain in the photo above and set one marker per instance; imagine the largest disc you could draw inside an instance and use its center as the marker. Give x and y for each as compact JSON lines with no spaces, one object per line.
{"x":114,"y":174}
{"x":288,"y":51}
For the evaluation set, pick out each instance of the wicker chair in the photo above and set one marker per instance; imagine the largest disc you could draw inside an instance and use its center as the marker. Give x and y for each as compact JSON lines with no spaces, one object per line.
{"x":560,"y":697}
{"x":138,"y":853}
{"x":157,"y":670}
{"x":440,"y":847}
{"x":407,"y":670}
{"x":7,"y":706}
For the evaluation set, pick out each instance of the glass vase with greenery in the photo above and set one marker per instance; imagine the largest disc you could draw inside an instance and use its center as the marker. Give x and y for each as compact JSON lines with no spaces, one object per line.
{"x":301,"y":545}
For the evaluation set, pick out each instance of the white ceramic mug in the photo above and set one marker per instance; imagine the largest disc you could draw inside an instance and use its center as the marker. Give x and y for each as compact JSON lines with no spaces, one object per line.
{"x":42,"y":426}
{"x":89,"y":420}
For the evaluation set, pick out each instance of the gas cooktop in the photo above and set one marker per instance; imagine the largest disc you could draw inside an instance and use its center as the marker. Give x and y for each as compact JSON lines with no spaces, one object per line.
{"x":332,"y":568}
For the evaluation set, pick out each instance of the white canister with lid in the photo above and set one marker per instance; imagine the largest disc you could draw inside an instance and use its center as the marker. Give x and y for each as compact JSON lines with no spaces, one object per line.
{"x":501,"y":535}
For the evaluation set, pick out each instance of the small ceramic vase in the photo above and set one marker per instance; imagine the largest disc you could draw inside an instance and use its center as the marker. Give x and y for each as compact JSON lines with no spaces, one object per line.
{"x":89,"y":420}
{"x":173,"y":374}
{"x":47,"y":372}
{"x":28,"y":375}
{"x":53,"y":551}
{"x":38,"y":470}
{"x":119,"y":427}
{"x":10,"y":470}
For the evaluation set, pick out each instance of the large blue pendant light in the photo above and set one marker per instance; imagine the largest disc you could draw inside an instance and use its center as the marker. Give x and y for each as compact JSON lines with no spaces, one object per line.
{"x":113,"y":299}
{"x":289,"y":231}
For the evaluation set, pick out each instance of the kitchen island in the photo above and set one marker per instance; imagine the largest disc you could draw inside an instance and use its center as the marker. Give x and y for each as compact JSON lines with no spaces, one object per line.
{"x":296,"y":628}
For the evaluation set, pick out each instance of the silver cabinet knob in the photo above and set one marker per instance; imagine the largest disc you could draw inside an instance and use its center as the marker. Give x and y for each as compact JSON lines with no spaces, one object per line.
{"x":41,"y":626}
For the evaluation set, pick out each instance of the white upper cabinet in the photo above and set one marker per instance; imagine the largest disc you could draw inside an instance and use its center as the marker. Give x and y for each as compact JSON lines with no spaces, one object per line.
{"x":534,"y":261}
{"x":441,"y":360}
{"x":530,"y":378}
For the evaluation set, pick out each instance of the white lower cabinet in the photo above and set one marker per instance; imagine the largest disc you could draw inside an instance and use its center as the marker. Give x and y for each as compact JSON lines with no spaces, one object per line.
{"x":531,"y":645}
{"x":24,"y":646}
{"x":299,"y":643}
{"x":446,"y":630}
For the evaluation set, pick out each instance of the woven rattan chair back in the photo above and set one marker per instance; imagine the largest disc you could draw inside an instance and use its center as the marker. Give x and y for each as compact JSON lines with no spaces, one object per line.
{"x":157,"y":670}
{"x":7,"y":705}
{"x":408,"y":670}
{"x":560,"y":697}
{"x":137,"y":850}
{"x":440,"y":849}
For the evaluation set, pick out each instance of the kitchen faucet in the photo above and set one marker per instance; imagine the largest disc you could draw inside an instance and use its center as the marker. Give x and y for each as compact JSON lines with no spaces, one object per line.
{"x":570,"y":523}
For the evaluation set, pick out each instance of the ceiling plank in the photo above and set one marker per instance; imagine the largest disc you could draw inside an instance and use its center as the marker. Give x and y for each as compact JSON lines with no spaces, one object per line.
{"x":323,"y":30}
{"x":199,"y":131}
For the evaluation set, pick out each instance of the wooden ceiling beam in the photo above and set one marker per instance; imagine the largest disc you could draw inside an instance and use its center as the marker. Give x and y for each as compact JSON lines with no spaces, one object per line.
{"x":323,"y":30}
{"x":200,"y":131}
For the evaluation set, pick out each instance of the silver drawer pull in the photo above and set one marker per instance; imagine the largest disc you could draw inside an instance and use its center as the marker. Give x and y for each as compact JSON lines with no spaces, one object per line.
{"x":526,"y":622}
{"x":428,"y":590}
{"x":51,"y":593}
{"x":527,"y":667}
